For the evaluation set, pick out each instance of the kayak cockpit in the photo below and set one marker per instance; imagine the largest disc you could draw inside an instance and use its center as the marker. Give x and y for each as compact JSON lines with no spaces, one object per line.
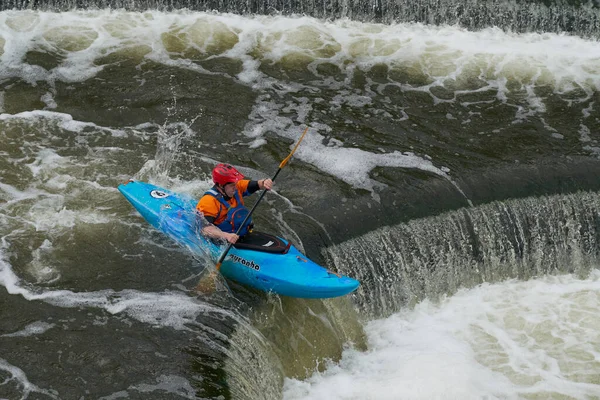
{"x":260,"y":241}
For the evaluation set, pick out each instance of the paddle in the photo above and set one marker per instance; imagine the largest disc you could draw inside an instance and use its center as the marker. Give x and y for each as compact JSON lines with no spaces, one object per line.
{"x":281,"y":165}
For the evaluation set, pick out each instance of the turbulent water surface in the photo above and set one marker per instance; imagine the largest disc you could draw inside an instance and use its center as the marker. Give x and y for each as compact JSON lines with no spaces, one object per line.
{"x":451,"y":165}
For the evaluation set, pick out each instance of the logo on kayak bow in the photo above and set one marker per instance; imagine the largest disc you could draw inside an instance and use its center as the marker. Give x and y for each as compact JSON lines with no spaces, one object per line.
{"x":244,"y":262}
{"x":158,"y":194}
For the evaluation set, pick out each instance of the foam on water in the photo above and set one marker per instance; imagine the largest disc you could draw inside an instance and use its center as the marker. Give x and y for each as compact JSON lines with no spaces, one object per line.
{"x":65,"y":121}
{"x":426,"y":57}
{"x":48,"y":212}
{"x":19,"y":379}
{"x":442,"y":53}
{"x":13,"y":194}
{"x":508,"y":341}
{"x":46,"y":159}
{"x":53,"y":198}
{"x":39,"y":268}
{"x":35,"y":328}
{"x":170,"y":308}
{"x":351,"y":165}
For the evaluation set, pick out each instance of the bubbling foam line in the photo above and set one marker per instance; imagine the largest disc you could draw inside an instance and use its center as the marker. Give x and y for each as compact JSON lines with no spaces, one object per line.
{"x":65,"y":121}
{"x":352,"y":165}
{"x":17,"y":195}
{"x":440,"y":52}
{"x":49,"y":213}
{"x":443,"y":57}
{"x":35,"y":328}
{"x":169,"y":309}
{"x":21,"y":380}
{"x":349,"y":164}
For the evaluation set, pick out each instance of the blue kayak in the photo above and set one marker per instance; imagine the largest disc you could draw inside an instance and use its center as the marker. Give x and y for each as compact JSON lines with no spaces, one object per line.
{"x":259,"y":260}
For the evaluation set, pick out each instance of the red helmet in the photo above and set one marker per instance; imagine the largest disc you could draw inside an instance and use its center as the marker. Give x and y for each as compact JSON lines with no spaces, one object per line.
{"x":224,"y":173}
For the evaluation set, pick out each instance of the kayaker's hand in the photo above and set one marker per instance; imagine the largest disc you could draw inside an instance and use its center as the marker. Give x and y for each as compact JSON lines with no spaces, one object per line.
{"x":266,"y":184}
{"x":230,"y":237}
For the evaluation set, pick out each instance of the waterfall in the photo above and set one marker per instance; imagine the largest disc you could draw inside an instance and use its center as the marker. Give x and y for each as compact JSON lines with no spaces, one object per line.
{"x":402,"y":264}
{"x":580,"y":18}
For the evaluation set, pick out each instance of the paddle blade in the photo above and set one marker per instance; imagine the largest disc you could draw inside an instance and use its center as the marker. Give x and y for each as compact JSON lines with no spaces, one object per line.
{"x":208,"y":283}
{"x":285,"y":160}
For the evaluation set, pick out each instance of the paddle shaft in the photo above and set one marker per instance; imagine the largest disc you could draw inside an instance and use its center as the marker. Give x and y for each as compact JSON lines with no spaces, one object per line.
{"x":281,"y":165}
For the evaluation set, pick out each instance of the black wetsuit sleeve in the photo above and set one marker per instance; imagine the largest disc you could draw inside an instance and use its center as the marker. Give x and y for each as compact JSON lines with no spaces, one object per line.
{"x":210,"y":219}
{"x":252,"y":187}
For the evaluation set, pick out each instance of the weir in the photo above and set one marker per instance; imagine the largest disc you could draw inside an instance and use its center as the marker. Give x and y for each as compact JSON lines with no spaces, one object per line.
{"x":517,"y":117}
{"x":581,"y":18}
{"x":426,"y":258}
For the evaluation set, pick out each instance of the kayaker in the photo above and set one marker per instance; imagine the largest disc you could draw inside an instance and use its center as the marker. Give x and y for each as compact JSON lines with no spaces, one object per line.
{"x":223,"y":205}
